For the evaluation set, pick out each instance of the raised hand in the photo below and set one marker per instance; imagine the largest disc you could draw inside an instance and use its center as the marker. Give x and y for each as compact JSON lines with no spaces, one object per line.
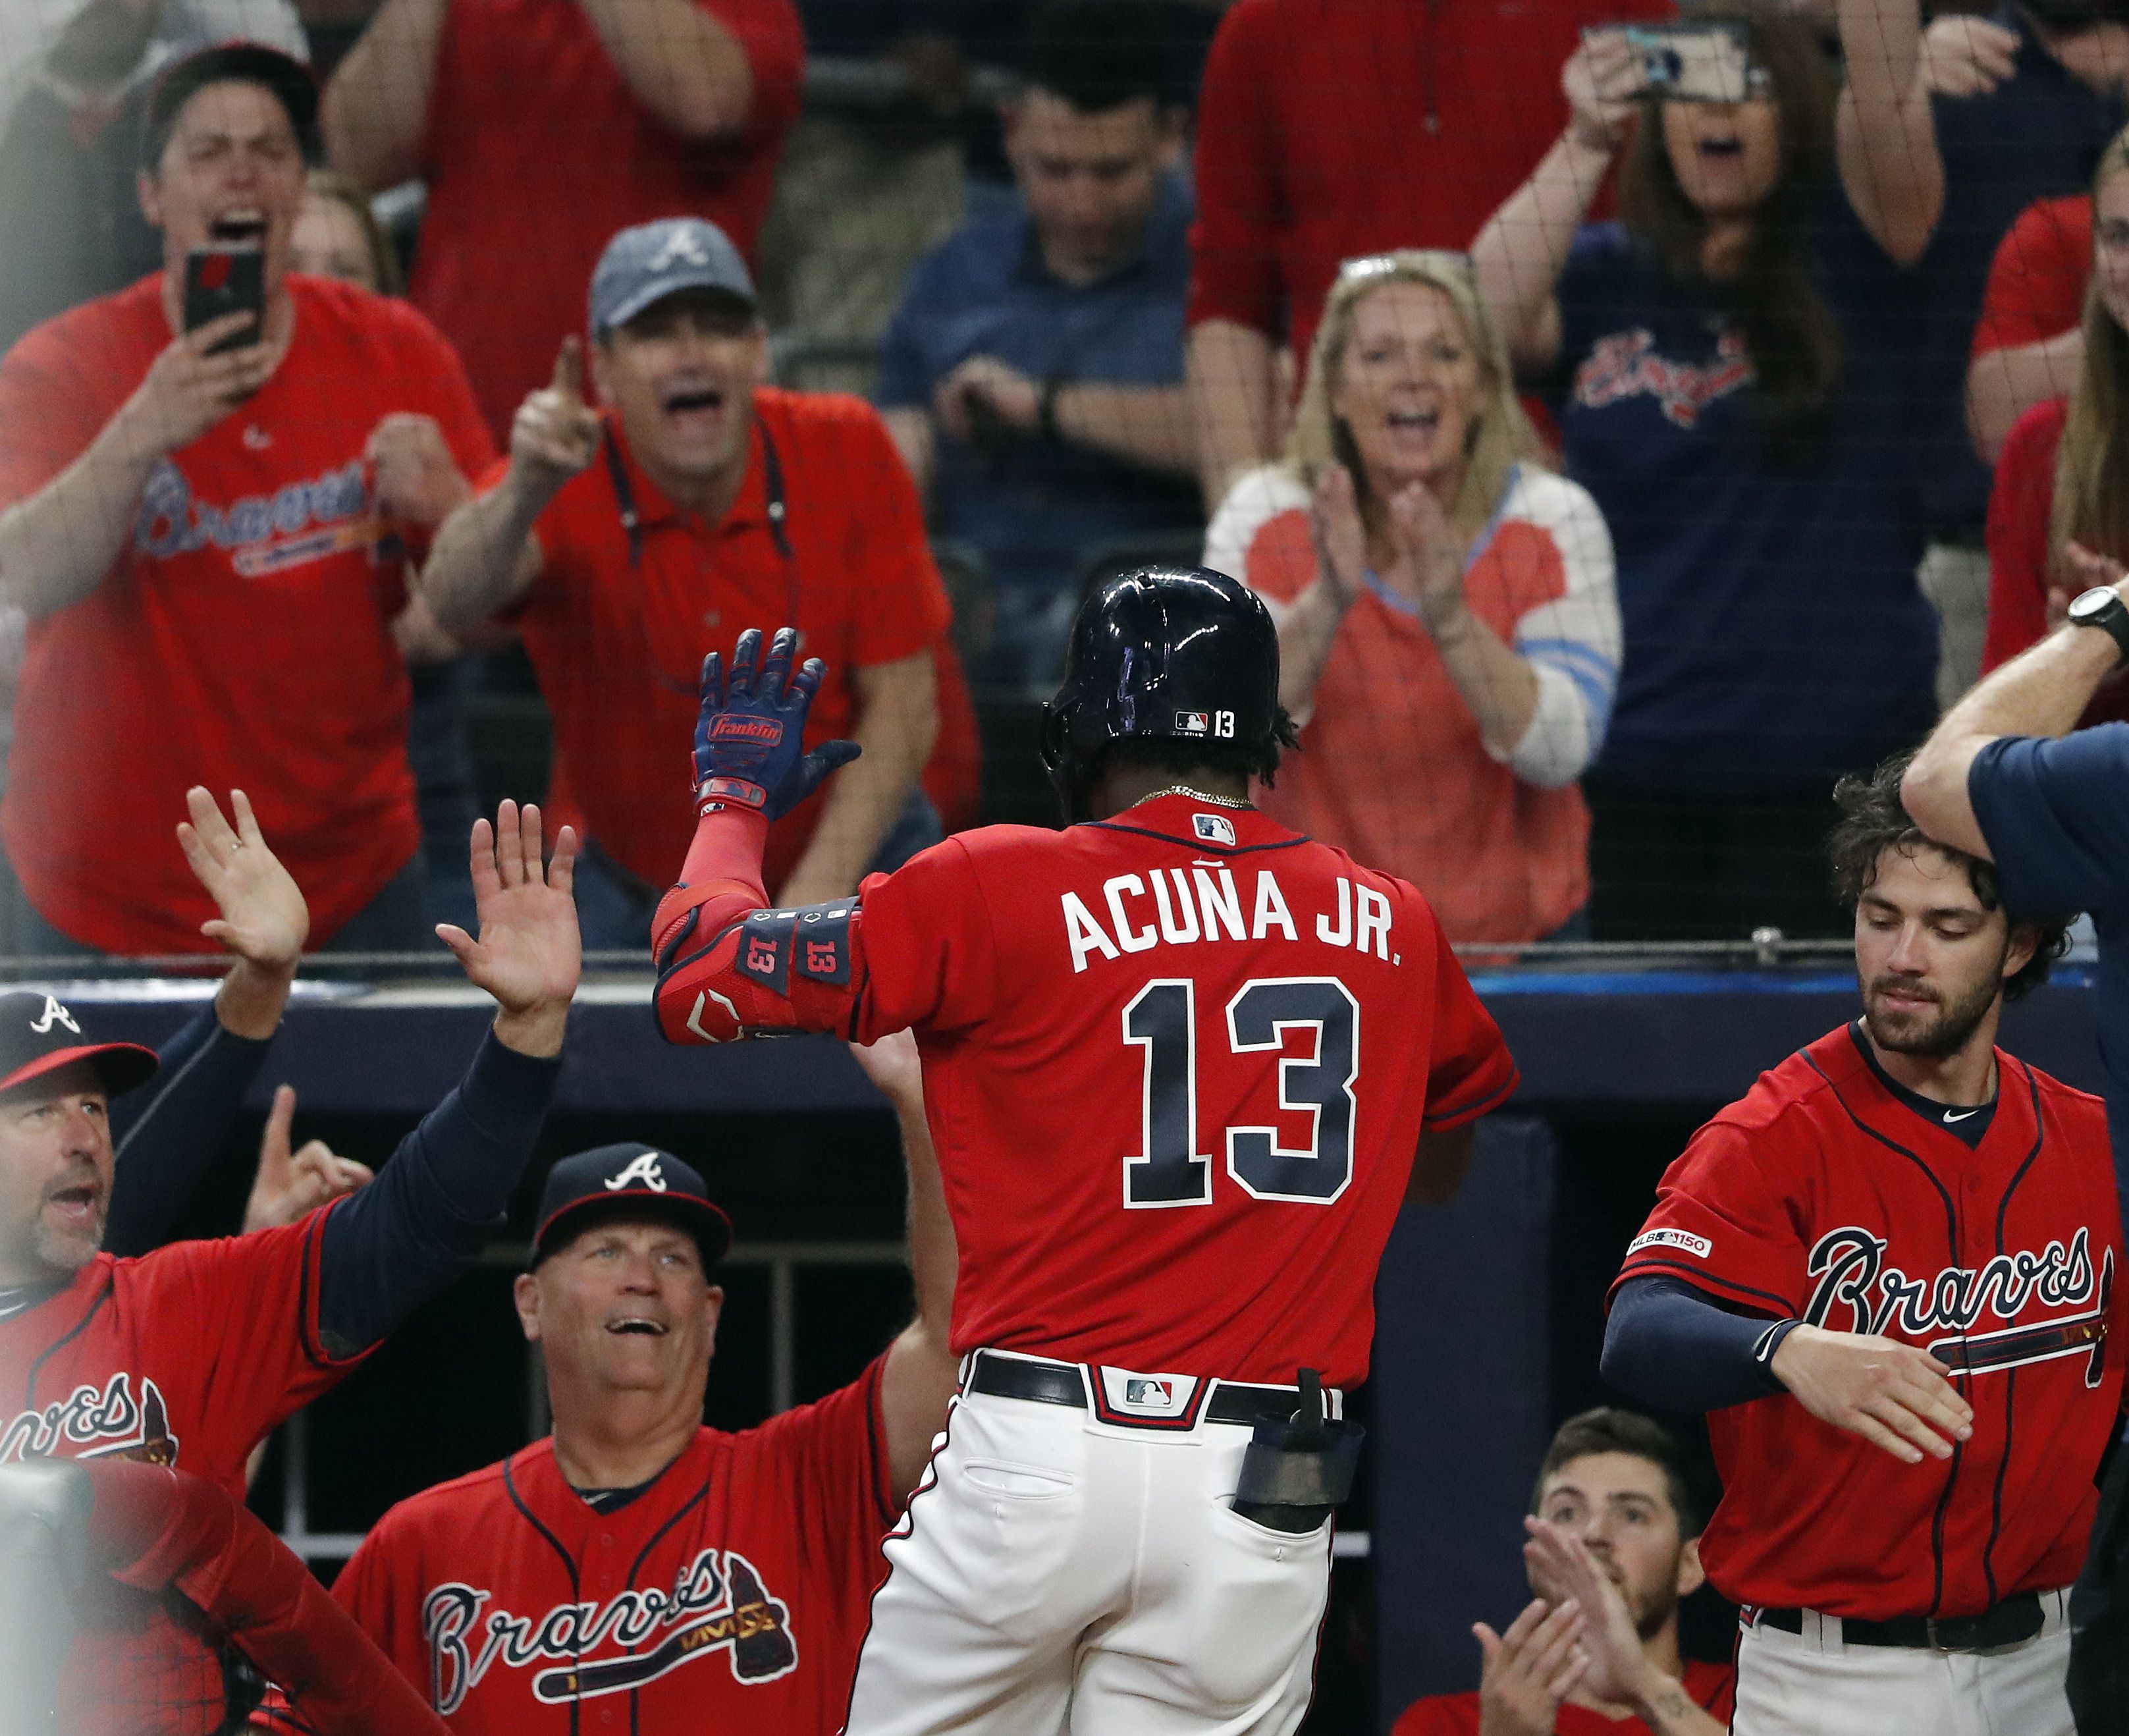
{"x":529,"y":953}
{"x":1603,"y":79}
{"x":749,"y":733}
{"x":556,"y":434}
{"x":1894,"y":1395}
{"x":1427,"y":556}
{"x":263,"y":918}
{"x":1341,"y":541}
{"x":290,"y":1186}
{"x":186,"y":391}
{"x":418,"y":481}
{"x":1528,"y":1671}
{"x":1562,"y":1569}
{"x":1965,"y":56}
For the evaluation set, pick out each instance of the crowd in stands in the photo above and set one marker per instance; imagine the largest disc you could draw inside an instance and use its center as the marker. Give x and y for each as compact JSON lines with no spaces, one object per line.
{"x":1624,"y":457}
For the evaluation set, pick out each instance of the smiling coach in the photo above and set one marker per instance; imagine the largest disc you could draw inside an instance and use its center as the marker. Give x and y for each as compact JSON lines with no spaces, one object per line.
{"x":624,"y":541}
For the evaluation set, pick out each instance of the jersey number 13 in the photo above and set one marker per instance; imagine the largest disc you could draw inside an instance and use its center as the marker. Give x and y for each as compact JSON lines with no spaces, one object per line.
{"x":1162,"y":1020}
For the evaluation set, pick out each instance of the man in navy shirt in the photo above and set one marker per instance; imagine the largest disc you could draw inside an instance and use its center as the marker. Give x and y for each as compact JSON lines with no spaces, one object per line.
{"x":1033,"y":376}
{"x":2036,"y":134}
{"x":2002,"y":777}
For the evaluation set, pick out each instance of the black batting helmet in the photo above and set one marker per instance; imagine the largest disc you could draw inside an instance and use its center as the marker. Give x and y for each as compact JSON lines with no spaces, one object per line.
{"x":1166,"y":653}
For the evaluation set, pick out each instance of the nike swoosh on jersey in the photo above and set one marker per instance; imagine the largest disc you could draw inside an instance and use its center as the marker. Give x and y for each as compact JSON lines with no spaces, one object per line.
{"x":1949,"y":1118}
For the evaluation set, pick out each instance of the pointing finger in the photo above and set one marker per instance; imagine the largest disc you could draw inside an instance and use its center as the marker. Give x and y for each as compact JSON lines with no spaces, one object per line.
{"x":569,"y":367}
{"x":280,"y":1119}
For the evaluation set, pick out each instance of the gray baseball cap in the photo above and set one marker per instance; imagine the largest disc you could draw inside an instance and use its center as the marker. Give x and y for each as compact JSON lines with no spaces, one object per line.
{"x":653,"y":260}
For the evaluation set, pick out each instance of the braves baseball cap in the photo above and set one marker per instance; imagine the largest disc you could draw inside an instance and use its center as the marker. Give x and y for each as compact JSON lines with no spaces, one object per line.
{"x":39,"y":1036}
{"x":249,"y":63}
{"x":641,"y":1177}
{"x":648,"y":262}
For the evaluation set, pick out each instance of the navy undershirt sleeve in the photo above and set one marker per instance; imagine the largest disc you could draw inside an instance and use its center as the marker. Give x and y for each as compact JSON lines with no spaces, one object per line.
{"x":169,"y":1133}
{"x":1675,"y":1347}
{"x":439,"y":1199}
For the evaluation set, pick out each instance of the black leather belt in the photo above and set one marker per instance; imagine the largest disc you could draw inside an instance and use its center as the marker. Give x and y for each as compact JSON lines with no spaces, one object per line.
{"x":2011,"y":1623}
{"x":1064,"y":1383}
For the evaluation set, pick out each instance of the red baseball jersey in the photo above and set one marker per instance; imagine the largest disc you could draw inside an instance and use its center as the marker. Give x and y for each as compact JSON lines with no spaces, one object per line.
{"x":1820,"y":1196}
{"x":190,"y":1356}
{"x":242,"y":638}
{"x":1713,"y":1688}
{"x":1175,"y":1066}
{"x":731,"y":1594}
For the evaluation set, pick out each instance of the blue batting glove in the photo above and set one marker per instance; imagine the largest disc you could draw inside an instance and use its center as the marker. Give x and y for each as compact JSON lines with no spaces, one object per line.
{"x":750,"y":734}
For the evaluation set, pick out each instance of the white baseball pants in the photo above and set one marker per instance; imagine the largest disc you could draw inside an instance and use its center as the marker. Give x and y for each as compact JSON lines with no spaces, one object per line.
{"x":1059,"y":1574}
{"x":1811,"y":1685}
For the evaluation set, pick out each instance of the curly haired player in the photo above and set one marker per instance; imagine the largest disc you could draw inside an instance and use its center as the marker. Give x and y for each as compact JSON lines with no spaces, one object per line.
{"x":1890,"y":1275}
{"x":1181,"y":1067}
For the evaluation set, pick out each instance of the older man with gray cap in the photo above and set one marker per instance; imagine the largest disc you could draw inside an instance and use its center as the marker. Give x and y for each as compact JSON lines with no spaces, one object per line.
{"x":624,"y":541}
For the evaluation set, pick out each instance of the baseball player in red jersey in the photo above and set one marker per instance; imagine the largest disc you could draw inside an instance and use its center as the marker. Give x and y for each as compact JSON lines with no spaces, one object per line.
{"x":635,"y":1570}
{"x":1178,"y":1061}
{"x":192,"y":1355}
{"x":1890,"y":1273}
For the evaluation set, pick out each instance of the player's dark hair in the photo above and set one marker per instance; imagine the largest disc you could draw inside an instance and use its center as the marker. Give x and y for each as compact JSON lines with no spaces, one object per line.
{"x":1873,"y":820}
{"x":1175,"y":756}
{"x":1097,"y":54}
{"x":1609,"y":1429}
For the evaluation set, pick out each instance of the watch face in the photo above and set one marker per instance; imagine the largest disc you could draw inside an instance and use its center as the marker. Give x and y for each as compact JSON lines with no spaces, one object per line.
{"x":2086,"y":604}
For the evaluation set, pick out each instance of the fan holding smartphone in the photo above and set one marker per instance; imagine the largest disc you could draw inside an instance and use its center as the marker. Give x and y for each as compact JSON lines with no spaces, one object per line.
{"x":210,"y":486}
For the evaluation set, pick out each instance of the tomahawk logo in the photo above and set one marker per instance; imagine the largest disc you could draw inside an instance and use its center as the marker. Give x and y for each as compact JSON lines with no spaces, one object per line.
{"x":716,"y":1604}
{"x":643,"y":1167}
{"x":54,"y":1014}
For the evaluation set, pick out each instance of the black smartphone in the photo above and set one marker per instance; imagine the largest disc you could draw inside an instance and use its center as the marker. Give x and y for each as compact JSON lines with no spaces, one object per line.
{"x":220,"y":280}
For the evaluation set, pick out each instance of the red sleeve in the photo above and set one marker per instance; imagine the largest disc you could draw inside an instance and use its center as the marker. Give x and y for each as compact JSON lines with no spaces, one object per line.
{"x":1722,"y":1225}
{"x":2037,"y":280}
{"x":1714,"y":1689}
{"x":1235,"y":272}
{"x":1440,"y":1714}
{"x":913,"y":947}
{"x":49,"y":414}
{"x":770,"y":33}
{"x":899,"y":604}
{"x":447,"y":394}
{"x":363,"y":1590}
{"x":832,"y":1468}
{"x":2019,"y":507}
{"x":1469,"y":1069}
{"x":1281,"y":557}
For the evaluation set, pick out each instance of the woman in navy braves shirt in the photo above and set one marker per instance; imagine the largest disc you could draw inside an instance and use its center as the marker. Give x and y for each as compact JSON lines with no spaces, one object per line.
{"x":1732,"y":359}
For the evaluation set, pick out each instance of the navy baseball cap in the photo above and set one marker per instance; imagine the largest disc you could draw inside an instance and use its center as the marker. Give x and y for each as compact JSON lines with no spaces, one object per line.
{"x":644,"y":264}
{"x":39,"y":1036}
{"x":642,"y":1178}
{"x":247,"y":63}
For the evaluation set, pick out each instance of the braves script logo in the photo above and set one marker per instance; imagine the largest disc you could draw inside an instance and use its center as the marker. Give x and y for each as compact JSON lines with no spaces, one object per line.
{"x":712,"y":1608}
{"x":304,"y":521}
{"x":90,"y":1422}
{"x":1852,"y":1276}
{"x":1626,"y":365}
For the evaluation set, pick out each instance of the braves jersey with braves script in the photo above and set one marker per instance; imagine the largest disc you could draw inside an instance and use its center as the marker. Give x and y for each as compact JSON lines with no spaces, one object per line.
{"x":189,"y":1357}
{"x":1176,"y":1065}
{"x":1820,"y":1196}
{"x":731,"y":1594}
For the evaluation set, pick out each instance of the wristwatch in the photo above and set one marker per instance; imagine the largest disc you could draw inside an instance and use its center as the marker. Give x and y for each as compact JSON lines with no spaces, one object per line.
{"x":2103,"y":607}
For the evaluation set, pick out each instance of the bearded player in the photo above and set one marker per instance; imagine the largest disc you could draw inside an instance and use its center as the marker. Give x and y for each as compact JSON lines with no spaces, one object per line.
{"x":1181,"y":1067}
{"x":1890,"y":1273}
{"x":192,"y":1355}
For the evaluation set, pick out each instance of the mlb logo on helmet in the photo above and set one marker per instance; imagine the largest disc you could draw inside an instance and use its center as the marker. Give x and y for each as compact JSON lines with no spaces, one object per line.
{"x":1193,"y":723}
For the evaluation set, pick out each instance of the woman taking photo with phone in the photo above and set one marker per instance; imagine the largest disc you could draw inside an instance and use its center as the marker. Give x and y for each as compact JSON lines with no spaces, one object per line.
{"x":1732,"y":359}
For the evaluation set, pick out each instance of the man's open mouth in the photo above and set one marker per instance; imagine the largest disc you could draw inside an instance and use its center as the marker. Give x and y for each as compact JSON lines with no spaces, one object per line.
{"x":241,"y":228}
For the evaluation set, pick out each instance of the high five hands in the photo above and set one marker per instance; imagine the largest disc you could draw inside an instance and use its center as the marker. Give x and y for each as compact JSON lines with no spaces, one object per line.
{"x":528,"y":954}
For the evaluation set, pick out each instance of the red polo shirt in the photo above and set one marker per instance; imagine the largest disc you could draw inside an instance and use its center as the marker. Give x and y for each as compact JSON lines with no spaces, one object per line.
{"x":241,"y":640}
{"x":2037,"y":281}
{"x":617,"y":643}
{"x":1333,"y":128}
{"x":537,"y":152}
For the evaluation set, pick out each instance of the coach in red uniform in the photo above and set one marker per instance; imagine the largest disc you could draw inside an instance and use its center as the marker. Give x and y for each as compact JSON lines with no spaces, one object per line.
{"x":1891,"y":1273}
{"x":1179,"y":1065}
{"x":201,"y":542}
{"x":637,"y":1571}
